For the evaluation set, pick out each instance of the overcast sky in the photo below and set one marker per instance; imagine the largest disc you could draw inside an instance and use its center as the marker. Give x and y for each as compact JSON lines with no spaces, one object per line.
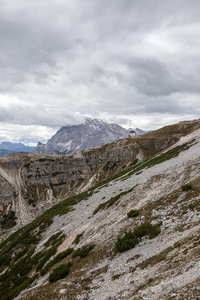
{"x":134,"y":63}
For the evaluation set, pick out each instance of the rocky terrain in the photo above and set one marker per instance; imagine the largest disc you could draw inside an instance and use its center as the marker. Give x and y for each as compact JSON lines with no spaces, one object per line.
{"x":92,"y":133}
{"x":126,"y":233}
{"x":31,"y":183}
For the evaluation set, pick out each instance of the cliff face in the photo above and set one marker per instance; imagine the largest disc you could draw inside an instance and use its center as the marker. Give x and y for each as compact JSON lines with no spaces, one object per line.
{"x":31,"y":183}
{"x":135,"y":235}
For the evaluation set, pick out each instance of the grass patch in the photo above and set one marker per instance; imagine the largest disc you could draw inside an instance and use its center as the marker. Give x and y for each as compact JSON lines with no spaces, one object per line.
{"x":159,"y":159}
{"x":111,"y":201}
{"x":137,"y":168}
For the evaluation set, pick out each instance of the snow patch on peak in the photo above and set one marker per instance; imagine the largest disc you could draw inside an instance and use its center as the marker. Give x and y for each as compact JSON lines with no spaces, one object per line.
{"x":96,"y":124}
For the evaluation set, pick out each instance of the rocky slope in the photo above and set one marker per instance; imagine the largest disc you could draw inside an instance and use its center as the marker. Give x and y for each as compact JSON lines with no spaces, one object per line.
{"x":91,"y":134}
{"x":157,"y":259}
{"x":31,"y":183}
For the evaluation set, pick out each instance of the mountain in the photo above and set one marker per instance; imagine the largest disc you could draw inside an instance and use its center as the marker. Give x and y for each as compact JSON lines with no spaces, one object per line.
{"x":15,"y":147}
{"x":92,"y":133}
{"x":4,"y":152}
{"x":128,"y":229}
{"x":30,"y":183}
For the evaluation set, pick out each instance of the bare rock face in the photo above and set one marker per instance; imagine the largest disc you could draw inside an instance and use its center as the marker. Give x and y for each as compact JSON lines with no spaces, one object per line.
{"x":92,"y":133}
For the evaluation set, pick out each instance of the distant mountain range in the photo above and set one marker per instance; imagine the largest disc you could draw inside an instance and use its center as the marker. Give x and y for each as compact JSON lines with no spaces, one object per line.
{"x":8,"y":147}
{"x":92,"y":133}
{"x":4,"y":152}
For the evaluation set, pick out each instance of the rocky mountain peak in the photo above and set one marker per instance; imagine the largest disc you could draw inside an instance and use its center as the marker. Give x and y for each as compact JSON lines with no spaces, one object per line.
{"x":92,"y":133}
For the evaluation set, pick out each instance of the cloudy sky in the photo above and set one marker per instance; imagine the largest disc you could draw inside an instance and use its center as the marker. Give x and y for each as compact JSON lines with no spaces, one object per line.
{"x":135,"y":63}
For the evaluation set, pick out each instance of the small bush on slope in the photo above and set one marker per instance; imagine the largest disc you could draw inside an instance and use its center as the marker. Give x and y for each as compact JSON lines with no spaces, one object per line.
{"x":83,"y":252}
{"x":111,"y":201}
{"x":127,"y":242}
{"x":147,"y":229}
{"x":131,"y":239}
{"x":56,"y":259}
{"x":186,"y":187}
{"x":60,"y":272}
{"x":133,"y":213}
{"x":78,"y":237}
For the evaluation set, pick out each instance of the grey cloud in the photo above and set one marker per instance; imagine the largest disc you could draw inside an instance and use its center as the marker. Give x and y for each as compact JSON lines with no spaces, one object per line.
{"x":34,"y":115}
{"x":98,"y":57}
{"x":152,"y":77}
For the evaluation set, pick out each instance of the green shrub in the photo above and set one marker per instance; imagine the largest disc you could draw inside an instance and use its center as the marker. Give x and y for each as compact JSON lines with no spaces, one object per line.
{"x":31,"y":201}
{"x":46,"y":257}
{"x":191,"y":207}
{"x":19,"y":280}
{"x":186,"y":187}
{"x":27,"y":165}
{"x":131,"y":239}
{"x":35,"y":259}
{"x":8,"y":220}
{"x":63,"y":254}
{"x":106,"y":166}
{"x":127,"y":242}
{"x":20,"y":254}
{"x":56,"y":259}
{"x":147,"y":229}
{"x":153,"y":231}
{"x":52,"y":238}
{"x":42,"y":159}
{"x":5,"y":260}
{"x":26,"y":269}
{"x":60,"y":272}
{"x":78,"y":237}
{"x":133,"y":213}
{"x":84,"y":251}
{"x":111,"y":201}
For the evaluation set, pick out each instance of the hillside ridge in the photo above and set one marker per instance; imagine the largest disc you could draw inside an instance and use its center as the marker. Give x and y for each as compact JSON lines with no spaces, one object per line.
{"x":89,"y":234}
{"x":31,"y":183}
